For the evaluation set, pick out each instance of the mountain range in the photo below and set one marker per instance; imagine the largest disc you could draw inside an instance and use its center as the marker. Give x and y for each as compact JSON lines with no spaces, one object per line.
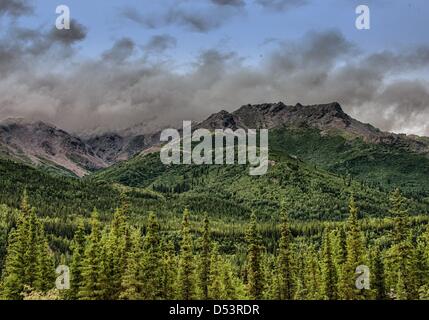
{"x":318,"y":156}
{"x":44,"y":145}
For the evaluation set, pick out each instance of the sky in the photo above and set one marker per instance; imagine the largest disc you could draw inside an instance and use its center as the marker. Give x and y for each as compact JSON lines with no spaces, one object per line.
{"x":156,"y":63}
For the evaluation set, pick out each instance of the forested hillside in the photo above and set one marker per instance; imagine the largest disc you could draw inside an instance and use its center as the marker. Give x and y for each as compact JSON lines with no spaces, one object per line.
{"x":329,"y":203}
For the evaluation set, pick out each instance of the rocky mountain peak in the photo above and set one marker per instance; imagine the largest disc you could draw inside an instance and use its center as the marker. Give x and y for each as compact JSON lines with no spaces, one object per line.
{"x":40,"y":143}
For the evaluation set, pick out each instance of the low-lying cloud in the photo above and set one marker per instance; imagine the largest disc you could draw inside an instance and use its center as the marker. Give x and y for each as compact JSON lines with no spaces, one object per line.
{"x":123,"y":88}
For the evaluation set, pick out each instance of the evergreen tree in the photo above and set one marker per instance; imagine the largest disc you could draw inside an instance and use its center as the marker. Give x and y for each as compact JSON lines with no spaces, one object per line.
{"x":378,"y":284}
{"x":150,"y":266}
{"x":92,"y":268}
{"x":312,"y":275}
{"x":354,"y":256}
{"x":45,"y":270}
{"x":329,"y":274}
{"x":215,"y":287}
{"x":205,"y":258}
{"x":186,"y":272}
{"x":131,"y":284}
{"x":399,"y":213}
{"x":401,"y":253}
{"x":78,"y":251}
{"x":116,"y":247}
{"x":168,"y":274}
{"x":284,"y":267}
{"x":29,"y":262}
{"x":255,"y":281}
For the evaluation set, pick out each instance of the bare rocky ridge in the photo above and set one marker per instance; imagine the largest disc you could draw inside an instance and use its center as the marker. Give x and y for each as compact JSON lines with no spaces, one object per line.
{"x":43,"y":144}
{"x":328,"y":118}
{"x":39,"y":143}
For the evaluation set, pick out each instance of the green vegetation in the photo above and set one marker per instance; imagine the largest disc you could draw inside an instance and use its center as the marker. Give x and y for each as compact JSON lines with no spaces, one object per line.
{"x":116,"y":260}
{"x":143,"y":230}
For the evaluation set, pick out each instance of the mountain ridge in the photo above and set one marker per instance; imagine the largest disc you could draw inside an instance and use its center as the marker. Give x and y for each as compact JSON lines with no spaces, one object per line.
{"x":42,"y":144}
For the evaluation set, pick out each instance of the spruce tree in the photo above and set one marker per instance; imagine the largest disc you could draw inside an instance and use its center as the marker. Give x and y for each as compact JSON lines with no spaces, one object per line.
{"x":312,"y":275}
{"x":205,"y":258}
{"x":255,"y":282}
{"x":29,"y":262}
{"x":378,"y":282}
{"x":45,"y":270}
{"x":78,"y":251}
{"x":284,"y":266}
{"x":131,"y":280}
{"x":116,"y":247}
{"x":150,"y":266}
{"x":401,"y":253}
{"x":92,"y":263}
{"x":169,"y":271}
{"x":354,"y":256}
{"x":186,"y":288}
{"x":215,"y":285}
{"x":329,"y":274}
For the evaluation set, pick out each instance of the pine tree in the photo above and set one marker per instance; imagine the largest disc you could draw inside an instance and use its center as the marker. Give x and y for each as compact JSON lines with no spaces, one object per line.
{"x":204,"y":267}
{"x":231,"y":284}
{"x":354,"y":256}
{"x":91,"y":265}
{"x":116,"y":247}
{"x":29,"y":262}
{"x":400,"y":290}
{"x":400,"y":254}
{"x":186,"y":272}
{"x":378,"y":284}
{"x":329,"y":274}
{"x":215,"y":285}
{"x":131,"y":284}
{"x":284,"y":267}
{"x":78,"y":251}
{"x":14,"y":270}
{"x":400,"y":215}
{"x":45,"y":275}
{"x":312,"y":274}
{"x":150,"y":267}
{"x":255,"y":281}
{"x":168,"y":274}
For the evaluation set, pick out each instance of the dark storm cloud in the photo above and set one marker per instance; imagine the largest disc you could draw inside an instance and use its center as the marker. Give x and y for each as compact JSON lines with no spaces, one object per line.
{"x":201,"y":17}
{"x":281,"y":5}
{"x":15,"y":8}
{"x":383,"y":88}
{"x":160,"y":43}
{"x":121,"y":50}
{"x":77,"y":32}
{"x":234,"y":3}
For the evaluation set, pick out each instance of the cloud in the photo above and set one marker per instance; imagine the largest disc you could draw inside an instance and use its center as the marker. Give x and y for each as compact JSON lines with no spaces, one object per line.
{"x":15,"y":8}
{"x":385,"y":88}
{"x":160,"y":43}
{"x":281,"y":5}
{"x":199,"y":17}
{"x":234,"y":3}
{"x":121,"y":51}
{"x":77,"y":32}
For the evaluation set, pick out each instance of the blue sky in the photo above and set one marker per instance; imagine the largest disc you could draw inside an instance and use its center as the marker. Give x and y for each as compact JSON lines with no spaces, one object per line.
{"x":246,"y":29}
{"x":156,"y":63}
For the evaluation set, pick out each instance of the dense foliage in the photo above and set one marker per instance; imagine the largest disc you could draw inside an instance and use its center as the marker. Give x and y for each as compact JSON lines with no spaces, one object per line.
{"x":143,"y":230}
{"x":117,"y":260}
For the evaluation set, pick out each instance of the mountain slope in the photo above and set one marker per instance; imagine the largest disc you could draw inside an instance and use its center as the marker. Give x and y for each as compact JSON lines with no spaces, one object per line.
{"x":311,"y":192}
{"x":46,"y":146}
{"x":327,"y":118}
